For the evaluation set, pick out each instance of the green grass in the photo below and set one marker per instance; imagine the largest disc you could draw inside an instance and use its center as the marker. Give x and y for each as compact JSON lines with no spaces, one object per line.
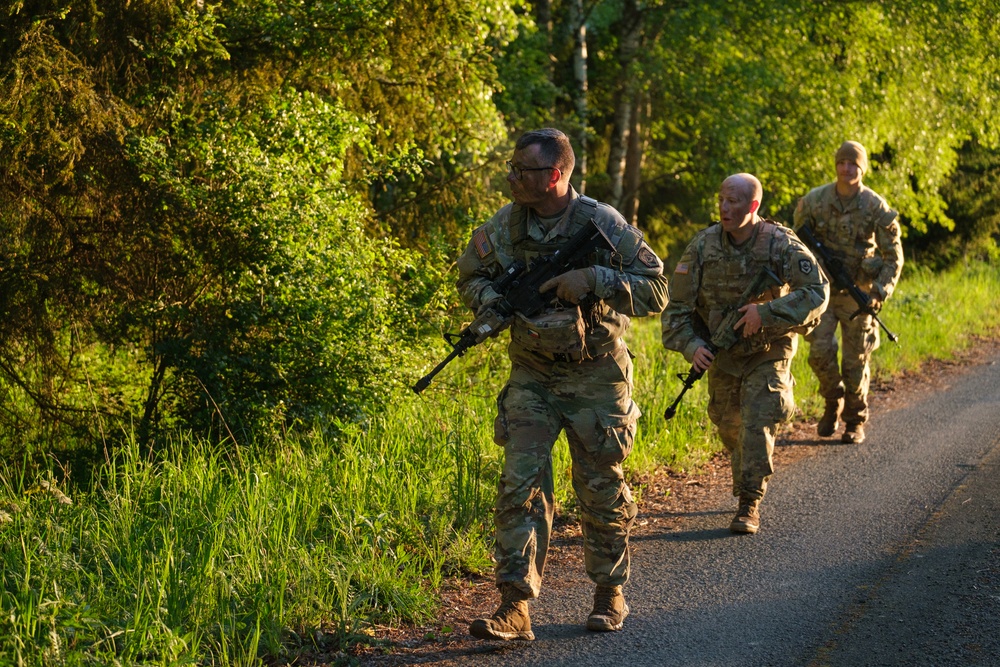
{"x":234,"y":555}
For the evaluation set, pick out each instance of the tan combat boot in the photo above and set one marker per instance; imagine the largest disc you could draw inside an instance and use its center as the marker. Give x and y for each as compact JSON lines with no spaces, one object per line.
{"x":509,"y":621}
{"x":747,"y":519}
{"x":854,"y":434}
{"x":827,"y":425}
{"x":609,"y":611}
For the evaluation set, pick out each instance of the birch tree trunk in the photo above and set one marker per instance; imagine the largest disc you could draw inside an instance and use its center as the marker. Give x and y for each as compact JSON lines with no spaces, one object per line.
{"x":625,"y":119}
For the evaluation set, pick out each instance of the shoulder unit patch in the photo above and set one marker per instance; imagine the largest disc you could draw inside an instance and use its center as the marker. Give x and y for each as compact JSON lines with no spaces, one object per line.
{"x":805,"y":266}
{"x":481,"y":240}
{"x":648,"y":257}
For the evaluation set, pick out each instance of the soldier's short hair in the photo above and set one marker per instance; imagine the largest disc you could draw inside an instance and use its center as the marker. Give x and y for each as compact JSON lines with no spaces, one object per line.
{"x":749,"y":185}
{"x":554,"y":148}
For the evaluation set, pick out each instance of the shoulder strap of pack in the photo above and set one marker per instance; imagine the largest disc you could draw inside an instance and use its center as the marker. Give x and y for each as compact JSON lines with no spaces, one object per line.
{"x":586,"y":209}
{"x":768,"y":249}
{"x":518,"y":224}
{"x":764,"y":243}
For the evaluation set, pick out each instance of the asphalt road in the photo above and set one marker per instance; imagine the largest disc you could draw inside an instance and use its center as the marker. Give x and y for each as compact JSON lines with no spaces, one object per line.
{"x":887,"y":553}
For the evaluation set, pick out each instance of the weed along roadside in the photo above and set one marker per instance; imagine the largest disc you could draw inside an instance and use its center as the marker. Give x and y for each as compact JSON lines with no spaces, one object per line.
{"x":313,"y":549}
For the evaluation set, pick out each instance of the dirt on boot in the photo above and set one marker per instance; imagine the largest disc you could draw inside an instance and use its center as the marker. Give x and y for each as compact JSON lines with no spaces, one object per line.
{"x":609,"y":611}
{"x":509,"y":621}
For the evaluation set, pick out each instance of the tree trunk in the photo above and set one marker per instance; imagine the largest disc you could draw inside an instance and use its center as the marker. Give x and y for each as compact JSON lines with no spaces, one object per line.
{"x":637,"y":137}
{"x":153,"y":395}
{"x":618,"y":149}
{"x":543,"y":20}
{"x":625,"y":109}
{"x":579,"y":25}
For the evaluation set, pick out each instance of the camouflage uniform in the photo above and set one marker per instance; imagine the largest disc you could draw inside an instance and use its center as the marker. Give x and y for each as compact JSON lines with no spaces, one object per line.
{"x":569,"y":370}
{"x":864,"y":235}
{"x":750,"y":384}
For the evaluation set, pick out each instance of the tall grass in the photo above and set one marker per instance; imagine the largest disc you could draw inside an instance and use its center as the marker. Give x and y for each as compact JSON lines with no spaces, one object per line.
{"x":230,"y":555}
{"x":202,"y":555}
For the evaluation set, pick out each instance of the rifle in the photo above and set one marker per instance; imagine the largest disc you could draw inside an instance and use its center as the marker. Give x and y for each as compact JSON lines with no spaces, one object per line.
{"x":725,"y":336}
{"x":518,"y":290}
{"x":841,"y":280}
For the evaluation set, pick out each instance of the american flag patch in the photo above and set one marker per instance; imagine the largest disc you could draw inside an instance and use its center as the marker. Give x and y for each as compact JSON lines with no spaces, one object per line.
{"x":481,"y":240}
{"x":681,"y":268}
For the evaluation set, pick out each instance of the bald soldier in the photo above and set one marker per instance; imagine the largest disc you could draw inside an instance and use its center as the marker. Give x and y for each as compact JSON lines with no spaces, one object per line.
{"x":570,"y":370}
{"x":860,"y":230}
{"x":750,"y":383}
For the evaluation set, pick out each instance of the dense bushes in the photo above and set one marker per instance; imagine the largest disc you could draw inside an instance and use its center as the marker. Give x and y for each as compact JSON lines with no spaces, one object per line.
{"x":186,"y":230}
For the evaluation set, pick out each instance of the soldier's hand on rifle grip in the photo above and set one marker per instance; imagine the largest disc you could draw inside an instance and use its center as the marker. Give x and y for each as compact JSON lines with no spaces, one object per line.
{"x":703,"y":358}
{"x":874,"y":304}
{"x":751,"y":320}
{"x":489,"y":305}
{"x":488,"y":298}
{"x":573,"y":285}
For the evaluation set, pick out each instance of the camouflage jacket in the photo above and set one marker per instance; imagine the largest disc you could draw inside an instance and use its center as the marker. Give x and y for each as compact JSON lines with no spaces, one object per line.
{"x":629,"y":281}
{"x":712,"y":276}
{"x":863,"y":233}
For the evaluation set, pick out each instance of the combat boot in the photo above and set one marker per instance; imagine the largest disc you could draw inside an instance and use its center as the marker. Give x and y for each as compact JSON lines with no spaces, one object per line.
{"x":509,"y":621}
{"x":609,"y":611}
{"x":827,"y":425}
{"x":854,"y":434}
{"x":747,"y":519}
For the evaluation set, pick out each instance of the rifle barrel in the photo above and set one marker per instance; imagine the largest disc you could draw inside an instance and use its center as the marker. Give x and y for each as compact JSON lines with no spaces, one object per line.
{"x":688,"y":380}
{"x":460,"y":348}
{"x":891,"y":336}
{"x":425,"y":381}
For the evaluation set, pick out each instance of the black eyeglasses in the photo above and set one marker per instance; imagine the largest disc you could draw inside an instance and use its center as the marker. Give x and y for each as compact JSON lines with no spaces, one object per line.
{"x":519,"y":171}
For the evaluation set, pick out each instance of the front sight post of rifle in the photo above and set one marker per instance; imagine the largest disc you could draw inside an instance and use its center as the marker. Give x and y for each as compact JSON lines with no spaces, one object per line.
{"x":725,"y":335}
{"x":840,"y":279}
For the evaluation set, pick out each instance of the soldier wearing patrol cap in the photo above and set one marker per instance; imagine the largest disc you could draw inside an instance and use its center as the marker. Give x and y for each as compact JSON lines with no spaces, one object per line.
{"x":750,"y":382}
{"x":858,"y":227}
{"x":570,"y":369}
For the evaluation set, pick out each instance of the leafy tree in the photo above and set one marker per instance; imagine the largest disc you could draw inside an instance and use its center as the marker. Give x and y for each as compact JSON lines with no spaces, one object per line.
{"x":683,"y":94}
{"x":973,"y":197}
{"x":187,"y":205}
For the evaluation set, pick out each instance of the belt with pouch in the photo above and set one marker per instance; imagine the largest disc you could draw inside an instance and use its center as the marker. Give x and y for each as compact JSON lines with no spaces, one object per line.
{"x":566,"y":357}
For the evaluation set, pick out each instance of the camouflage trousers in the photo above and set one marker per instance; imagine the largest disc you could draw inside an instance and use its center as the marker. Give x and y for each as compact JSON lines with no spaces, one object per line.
{"x":592,"y":401}
{"x":747,"y":409}
{"x":851,"y":377}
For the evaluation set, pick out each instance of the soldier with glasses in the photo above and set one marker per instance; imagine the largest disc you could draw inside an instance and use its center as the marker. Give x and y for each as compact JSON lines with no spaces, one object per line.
{"x":570,"y":370}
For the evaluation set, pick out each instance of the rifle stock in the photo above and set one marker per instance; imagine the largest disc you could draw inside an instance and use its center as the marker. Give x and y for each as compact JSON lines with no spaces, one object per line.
{"x":841,"y":280}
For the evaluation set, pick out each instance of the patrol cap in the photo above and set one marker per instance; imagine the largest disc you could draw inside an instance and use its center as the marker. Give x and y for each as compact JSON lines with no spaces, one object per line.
{"x":855,"y":152}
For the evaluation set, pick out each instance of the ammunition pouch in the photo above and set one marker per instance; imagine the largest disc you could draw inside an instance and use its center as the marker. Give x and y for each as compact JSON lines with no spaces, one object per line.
{"x":555,"y":334}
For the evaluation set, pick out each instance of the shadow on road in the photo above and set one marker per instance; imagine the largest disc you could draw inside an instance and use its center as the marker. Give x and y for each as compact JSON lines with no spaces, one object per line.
{"x":687,"y":535}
